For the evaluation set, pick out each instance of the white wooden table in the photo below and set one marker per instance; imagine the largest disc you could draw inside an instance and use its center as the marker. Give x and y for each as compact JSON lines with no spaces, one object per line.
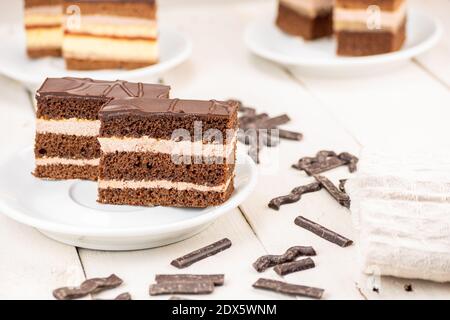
{"x":410,"y":106}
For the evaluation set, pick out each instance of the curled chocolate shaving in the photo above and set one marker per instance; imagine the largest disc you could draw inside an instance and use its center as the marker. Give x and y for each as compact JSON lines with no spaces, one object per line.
{"x":216,"y":279}
{"x":181,"y":288}
{"x":288,"y":288}
{"x":294,"y":196}
{"x":350,"y":160}
{"x":341,"y":197}
{"x":294,"y":266}
{"x":202,"y":253}
{"x":89,"y":286}
{"x":326,"y":160}
{"x":268,"y":261}
{"x":323,"y":232}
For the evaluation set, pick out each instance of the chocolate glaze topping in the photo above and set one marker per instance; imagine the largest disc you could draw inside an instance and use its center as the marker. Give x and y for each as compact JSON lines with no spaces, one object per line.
{"x":145,"y":106}
{"x":85,"y":87}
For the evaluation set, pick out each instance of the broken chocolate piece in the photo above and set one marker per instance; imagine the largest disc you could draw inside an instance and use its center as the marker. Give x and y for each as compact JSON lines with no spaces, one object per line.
{"x":288,"y":288}
{"x":326,"y":160}
{"x":290,"y":135}
{"x":294,"y":266}
{"x":342,"y":198}
{"x":216,"y":279}
{"x":181,"y":288}
{"x":268,"y":261}
{"x":295,"y":195}
{"x":201,"y":253}
{"x":342,"y":183}
{"x":323,"y":232}
{"x":89,"y":286}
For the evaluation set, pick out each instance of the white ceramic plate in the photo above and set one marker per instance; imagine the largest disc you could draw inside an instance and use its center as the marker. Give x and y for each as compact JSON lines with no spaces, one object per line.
{"x":319,"y":57}
{"x":67,"y":211}
{"x":14,"y":63}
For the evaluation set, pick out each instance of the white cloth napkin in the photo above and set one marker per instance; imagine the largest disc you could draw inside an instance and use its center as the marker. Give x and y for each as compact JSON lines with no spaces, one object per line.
{"x":401,"y":207}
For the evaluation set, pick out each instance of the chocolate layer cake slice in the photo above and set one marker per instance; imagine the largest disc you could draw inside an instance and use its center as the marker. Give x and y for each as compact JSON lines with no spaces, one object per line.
{"x":67,"y":124}
{"x":369,"y":27}
{"x":310,"y":19}
{"x":43,"y":23}
{"x":110,"y":34}
{"x":167,"y":152}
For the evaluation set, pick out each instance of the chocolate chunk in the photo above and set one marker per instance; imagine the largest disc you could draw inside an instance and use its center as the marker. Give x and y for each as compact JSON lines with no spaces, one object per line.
{"x":408,"y":287}
{"x":323,"y":232}
{"x":326,"y":160}
{"x":294,"y":196}
{"x":290,"y":135}
{"x":294,"y":266}
{"x":288,"y":288}
{"x":90,"y":286}
{"x":216,"y":279}
{"x":342,"y":183}
{"x":268,"y":261}
{"x":181,"y":288}
{"x":201,"y":254}
{"x":341,"y":197}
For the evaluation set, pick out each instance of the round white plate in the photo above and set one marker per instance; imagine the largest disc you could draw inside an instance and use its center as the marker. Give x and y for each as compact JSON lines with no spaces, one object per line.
{"x":67,"y":211}
{"x":14,"y":63}
{"x":319,"y":57}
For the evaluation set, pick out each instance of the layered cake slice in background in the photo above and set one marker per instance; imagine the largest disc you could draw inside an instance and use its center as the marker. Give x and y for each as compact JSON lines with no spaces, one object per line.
{"x":67,"y":124}
{"x":369,"y":27}
{"x":310,"y":19}
{"x":110,"y":34}
{"x":43,"y":23}
{"x":167,"y":152}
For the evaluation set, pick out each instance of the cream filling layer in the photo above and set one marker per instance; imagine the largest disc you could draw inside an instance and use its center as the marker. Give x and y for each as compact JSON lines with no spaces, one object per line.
{"x":42,"y":38}
{"x":97,"y":48}
{"x":161,"y":184}
{"x":76,"y":127}
{"x":310,"y":8}
{"x":66,"y":161}
{"x":43,"y":16}
{"x":113,"y":26}
{"x":370,"y":19}
{"x":152,"y":145}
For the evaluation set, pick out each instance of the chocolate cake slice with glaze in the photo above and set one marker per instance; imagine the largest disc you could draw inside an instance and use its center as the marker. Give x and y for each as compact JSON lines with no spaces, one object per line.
{"x":167,"y":152}
{"x":67,"y":124}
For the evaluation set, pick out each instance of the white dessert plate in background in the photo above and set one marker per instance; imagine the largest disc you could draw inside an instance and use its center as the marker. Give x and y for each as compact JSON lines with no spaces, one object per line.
{"x":14,"y":63}
{"x":67,"y":211}
{"x":319,"y":57}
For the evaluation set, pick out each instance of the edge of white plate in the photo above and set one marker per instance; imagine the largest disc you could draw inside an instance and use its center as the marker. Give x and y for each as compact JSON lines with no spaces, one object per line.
{"x":424,"y":46}
{"x":19,"y":216}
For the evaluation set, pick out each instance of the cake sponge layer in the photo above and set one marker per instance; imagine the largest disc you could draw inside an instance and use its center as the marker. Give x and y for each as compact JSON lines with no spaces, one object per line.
{"x":66,"y":172}
{"x":66,"y":146}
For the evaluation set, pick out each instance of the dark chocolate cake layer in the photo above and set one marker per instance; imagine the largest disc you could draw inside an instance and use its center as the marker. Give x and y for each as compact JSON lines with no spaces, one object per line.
{"x":79,"y":64}
{"x":385,"y":5}
{"x":38,"y":53}
{"x":66,"y":146}
{"x":308,"y":28}
{"x":159,"y":118}
{"x":37,"y":3}
{"x":159,"y":166}
{"x":164,"y":197}
{"x":66,"y":172}
{"x":137,"y":9}
{"x":370,"y":43}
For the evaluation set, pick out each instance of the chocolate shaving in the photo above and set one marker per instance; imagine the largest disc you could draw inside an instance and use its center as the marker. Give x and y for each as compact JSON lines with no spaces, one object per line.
{"x":408,"y":287}
{"x":271,"y":123}
{"x":123,"y":296}
{"x":290,"y":135}
{"x":288,"y":288}
{"x":342,"y":183}
{"x":294,"y":196}
{"x":294,"y":266}
{"x":268,"y":261}
{"x":216,"y":279}
{"x":181,"y":288}
{"x":323,"y":232}
{"x":341,"y":197}
{"x":90,"y":286}
{"x":201,"y":253}
{"x":326,"y":160}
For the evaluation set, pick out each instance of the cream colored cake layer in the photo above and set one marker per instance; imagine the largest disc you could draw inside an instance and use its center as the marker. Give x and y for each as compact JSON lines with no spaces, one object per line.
{"x":43,"y":16}
{"x":98,"y":48}
{"x":114,"y":26}
{"x":310,"y":8}
{"x":370,"y":19}
{"x":44,"y":38}
{"x":147,"y":144}
{"x":76,"y":127}
{"x":161,"y":184}
{"x":66,"y":161}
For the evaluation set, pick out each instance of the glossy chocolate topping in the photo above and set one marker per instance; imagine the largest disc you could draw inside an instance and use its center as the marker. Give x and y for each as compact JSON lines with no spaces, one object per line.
{"x":146,"y":106}
{"x":85,"y":87}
